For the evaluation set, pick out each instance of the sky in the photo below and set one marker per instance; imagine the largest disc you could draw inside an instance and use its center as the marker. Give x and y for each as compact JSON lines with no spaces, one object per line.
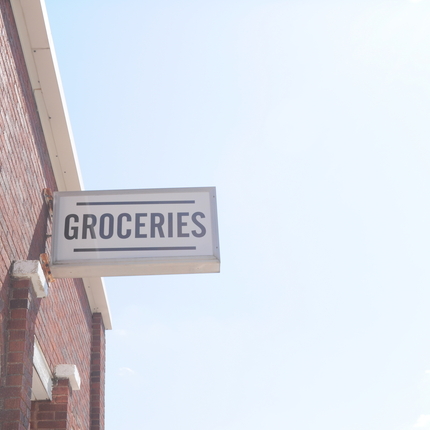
{"x":312,"y":119}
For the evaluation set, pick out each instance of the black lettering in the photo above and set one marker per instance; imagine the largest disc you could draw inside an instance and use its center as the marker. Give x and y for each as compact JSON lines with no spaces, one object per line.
{"x":157,"y":225}
{"x":89,"y":226}
{"x":138,"y":225}
{"x":127,"y":233}
{"x":198,"y":224}
{"x":71,"y":232}
{"x":102,"y":226}
{"x":182,"y":224}
{"x":170,"y":224}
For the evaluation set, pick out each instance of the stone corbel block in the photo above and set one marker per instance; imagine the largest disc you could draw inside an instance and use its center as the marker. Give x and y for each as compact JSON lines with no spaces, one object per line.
{"x":32,"y":270}
{"x":70,"y":372}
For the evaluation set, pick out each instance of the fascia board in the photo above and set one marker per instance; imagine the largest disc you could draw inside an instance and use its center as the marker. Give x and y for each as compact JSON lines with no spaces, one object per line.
{"x":96,"y":293}
{"x":36,"y":41}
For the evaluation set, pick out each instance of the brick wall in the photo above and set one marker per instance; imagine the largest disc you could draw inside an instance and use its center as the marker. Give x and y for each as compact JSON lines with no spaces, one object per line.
{"x":63,"y":323}
{"x":15,"y":388}
{"x":97,"y":373}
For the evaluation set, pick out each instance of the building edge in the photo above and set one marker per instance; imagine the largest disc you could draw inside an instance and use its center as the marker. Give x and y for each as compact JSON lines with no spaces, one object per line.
{"x":39,"y":53}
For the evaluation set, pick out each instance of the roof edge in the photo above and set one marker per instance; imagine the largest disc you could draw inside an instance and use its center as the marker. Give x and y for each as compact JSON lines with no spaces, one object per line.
{"x":38,"y":48}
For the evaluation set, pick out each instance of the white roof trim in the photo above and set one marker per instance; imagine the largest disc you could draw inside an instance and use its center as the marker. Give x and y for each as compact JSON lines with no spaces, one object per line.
{"x":36,"y":41}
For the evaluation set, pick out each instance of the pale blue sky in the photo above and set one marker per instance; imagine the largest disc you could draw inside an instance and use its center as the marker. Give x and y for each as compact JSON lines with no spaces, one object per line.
{"x":312,"y":119}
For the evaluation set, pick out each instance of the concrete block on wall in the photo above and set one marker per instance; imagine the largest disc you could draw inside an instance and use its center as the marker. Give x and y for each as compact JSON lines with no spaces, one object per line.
{"x":70,"y":372}
{"x":32,"y":270}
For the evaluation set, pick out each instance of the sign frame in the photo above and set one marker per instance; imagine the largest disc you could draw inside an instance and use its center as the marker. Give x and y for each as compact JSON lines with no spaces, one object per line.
{"x":209,"y":262}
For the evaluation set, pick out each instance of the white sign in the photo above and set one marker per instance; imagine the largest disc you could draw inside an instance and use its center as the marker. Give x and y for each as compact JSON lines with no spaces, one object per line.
{"x":135,"y":232}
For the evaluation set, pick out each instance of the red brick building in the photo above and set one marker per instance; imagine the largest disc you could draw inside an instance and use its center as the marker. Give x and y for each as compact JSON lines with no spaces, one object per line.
{"x":52,"y":334}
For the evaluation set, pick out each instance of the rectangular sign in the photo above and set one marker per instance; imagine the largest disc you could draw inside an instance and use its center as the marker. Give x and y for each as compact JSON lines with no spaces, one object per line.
{"x":135,"y":232}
